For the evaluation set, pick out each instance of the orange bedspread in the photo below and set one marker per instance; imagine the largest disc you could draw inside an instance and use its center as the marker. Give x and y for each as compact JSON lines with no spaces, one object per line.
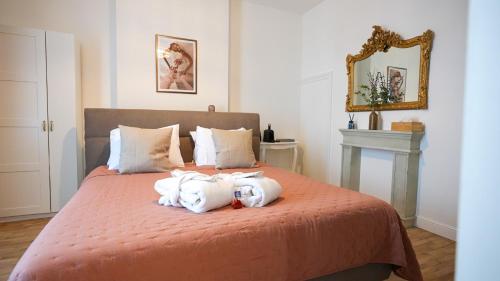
{"x":113,"y":229}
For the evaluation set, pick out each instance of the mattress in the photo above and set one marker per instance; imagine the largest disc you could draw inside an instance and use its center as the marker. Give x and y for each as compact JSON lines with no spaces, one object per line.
{"x":113,"y":229}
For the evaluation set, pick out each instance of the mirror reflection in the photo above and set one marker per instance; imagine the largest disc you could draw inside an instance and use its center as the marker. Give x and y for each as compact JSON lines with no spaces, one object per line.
{"x":397,"y":69}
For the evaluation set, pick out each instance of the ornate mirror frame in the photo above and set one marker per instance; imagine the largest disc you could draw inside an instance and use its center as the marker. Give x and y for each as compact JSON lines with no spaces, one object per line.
{"x":381,"y":41}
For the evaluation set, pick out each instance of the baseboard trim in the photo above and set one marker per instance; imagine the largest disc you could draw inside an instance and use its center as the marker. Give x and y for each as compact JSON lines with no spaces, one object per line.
{"x":27,"y":217}
{"x":438,"y":228}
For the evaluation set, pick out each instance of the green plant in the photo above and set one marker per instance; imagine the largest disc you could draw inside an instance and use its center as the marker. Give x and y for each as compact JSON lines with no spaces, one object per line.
{"x":377,"y":92}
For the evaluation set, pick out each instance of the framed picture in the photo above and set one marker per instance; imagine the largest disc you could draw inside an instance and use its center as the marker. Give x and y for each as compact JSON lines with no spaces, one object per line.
{"x":176,"y":65}
{"x":396,"y":82}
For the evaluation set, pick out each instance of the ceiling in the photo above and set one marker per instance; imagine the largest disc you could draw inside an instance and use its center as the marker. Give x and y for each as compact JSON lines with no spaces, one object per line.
{"x":295,"y":6}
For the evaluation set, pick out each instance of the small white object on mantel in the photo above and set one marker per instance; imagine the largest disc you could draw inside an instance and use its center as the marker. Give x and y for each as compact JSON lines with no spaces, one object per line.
{"x":264,"y":146}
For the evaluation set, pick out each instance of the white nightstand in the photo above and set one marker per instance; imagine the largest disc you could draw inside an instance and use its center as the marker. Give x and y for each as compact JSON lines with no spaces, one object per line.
{"x":264,"y":146}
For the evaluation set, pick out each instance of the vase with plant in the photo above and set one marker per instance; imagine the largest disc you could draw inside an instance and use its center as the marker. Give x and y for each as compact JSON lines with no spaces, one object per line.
{"x":374,"y":94}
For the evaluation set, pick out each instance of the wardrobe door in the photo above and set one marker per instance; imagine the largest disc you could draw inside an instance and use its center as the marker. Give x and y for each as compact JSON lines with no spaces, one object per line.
{"x":63,"y":110}
{"x":24,"y":157}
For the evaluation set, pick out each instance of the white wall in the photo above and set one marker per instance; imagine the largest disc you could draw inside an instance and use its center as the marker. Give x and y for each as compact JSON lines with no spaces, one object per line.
{"x":137,"y":22}
{"x":265,"y":65}
{"x":117,"y":46}
{"x":479,"y":232}
{"x":89,"y":21}
{"x":265,"y":68}
{"x":335,"y":28}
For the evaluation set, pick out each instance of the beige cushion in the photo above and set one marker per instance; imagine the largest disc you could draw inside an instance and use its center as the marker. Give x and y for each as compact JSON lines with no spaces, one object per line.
{"x":144,"y":150}
{"x":233,"y":149}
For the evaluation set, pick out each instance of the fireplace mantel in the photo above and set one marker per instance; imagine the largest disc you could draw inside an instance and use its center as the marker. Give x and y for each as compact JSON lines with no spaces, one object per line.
{"x":406,"y":148}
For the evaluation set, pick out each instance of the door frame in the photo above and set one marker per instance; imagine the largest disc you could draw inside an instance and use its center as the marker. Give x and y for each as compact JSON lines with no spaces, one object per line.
{"x":327,"y":75}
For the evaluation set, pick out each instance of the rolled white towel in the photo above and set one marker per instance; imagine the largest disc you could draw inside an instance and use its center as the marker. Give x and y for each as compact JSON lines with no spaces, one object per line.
{"x":195,"y":191}
{"x":201,"y":193}
{"x":257,"y":191}
{"x":201,"y":196}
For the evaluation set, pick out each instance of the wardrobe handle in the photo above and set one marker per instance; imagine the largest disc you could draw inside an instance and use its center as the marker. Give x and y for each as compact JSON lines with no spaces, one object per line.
{"x":44,"y":126}
{"x":51,"y":126}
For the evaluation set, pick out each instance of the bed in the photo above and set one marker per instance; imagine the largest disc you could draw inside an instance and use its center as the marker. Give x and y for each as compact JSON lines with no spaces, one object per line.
{"x":113,"y":228}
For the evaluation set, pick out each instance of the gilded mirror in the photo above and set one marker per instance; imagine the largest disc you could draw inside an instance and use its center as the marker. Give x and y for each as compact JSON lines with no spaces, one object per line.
{"x":401,"y":67}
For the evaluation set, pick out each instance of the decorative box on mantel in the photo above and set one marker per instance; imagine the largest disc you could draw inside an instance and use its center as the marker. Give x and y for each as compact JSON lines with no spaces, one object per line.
{"x":406,"y":148}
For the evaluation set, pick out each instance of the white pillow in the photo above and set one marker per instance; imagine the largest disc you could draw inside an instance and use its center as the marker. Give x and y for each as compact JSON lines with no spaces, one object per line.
{"x":193,"y":135}
{"x":114,"y":149}
{"x":174,"y":153}
{"x":204,"y":149}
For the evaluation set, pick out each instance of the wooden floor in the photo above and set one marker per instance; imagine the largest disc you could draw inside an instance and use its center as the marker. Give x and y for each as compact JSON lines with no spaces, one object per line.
{"x":435,"y":254}
{"x":15,"y":237}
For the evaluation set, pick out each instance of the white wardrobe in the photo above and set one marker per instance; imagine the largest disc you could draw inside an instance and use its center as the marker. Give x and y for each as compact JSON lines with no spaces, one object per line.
{"x":39,"y":113}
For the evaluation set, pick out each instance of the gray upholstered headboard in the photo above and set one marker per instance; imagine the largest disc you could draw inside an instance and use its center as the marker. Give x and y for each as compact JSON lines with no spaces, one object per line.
{"x":99,"y":121}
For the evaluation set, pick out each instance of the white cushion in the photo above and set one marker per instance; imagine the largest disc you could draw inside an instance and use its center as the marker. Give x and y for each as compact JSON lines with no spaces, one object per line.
{"x":193,"y":135}
{"x":114,"y":149}
{"x":204,"y":149}
{"x":174,"y":152}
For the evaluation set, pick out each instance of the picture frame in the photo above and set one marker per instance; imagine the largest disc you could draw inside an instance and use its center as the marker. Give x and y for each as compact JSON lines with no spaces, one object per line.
{"x":396,"y":82}
{"x":176,"y":64}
